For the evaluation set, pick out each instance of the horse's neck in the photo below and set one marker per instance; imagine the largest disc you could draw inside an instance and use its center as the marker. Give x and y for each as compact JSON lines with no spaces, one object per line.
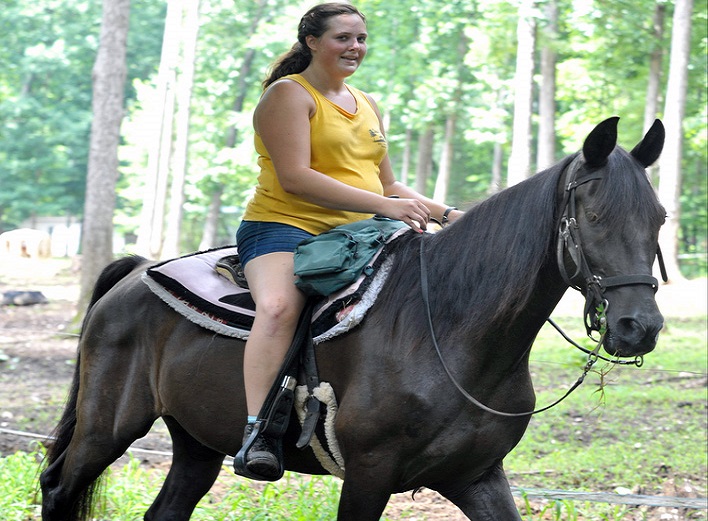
{"x":499,"y":331}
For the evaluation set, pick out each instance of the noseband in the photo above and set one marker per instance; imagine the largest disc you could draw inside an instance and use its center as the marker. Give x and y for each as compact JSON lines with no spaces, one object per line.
{"x":593,"y":286}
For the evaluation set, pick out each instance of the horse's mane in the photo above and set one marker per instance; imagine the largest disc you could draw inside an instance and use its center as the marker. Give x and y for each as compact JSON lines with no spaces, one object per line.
{"x":488,"y":261}
{"x":485,"y":267}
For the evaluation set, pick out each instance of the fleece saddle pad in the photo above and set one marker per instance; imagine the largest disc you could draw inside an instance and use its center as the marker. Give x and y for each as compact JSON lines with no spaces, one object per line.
{"x":194,"y":288}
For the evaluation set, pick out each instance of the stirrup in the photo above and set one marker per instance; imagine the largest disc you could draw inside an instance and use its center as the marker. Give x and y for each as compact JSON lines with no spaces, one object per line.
{"x":240,"y":462}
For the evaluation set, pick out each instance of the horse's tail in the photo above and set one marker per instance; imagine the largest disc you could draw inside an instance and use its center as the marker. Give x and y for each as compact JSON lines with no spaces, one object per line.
{"x":64,"y":431}
{"x":110,"y":276}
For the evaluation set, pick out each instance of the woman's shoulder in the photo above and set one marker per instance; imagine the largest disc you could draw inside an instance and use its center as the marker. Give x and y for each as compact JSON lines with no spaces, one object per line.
{"x":287,"y":84}
{"x":287,"y":89}
{"x":284,"y":98}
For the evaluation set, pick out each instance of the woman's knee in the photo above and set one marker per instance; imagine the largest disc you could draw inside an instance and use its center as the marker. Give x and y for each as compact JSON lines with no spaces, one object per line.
{"x":279,"y":309}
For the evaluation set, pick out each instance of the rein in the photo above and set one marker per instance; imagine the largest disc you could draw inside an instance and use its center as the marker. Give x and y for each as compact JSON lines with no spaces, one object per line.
{"x":596,"y":304}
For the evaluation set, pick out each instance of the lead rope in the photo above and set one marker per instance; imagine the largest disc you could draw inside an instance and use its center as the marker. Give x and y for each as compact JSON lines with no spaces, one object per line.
{"x":592,"y":357}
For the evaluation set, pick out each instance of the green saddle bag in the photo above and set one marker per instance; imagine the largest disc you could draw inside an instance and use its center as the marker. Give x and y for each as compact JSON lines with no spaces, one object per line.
{"x":328,"y":262}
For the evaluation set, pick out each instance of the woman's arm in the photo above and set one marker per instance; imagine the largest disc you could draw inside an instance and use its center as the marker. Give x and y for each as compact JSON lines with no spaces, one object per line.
{"x":393,"y":187}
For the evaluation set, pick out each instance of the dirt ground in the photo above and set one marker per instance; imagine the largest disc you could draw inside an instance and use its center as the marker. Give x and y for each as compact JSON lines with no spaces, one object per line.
{"x":37,"y":351}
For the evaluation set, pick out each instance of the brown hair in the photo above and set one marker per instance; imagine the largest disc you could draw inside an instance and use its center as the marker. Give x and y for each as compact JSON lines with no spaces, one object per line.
{"x":314,"y":22}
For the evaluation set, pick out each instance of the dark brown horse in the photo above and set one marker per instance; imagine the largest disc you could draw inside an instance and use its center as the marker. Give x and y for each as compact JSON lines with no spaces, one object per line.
{"x":493,"y":278}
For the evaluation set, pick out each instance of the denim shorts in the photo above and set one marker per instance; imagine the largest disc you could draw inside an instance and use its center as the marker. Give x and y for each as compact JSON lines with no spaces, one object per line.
{"x":256,"y":238}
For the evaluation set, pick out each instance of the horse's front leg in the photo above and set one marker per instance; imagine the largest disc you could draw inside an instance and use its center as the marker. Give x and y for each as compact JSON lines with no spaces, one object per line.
{"x":488,"y":499}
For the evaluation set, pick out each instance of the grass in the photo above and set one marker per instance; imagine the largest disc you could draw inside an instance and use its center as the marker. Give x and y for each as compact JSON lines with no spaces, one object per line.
{"x":642,"y":429}
{"x":645,"y":431}
{"x":18,"y":474}
{"x":130,"y":489}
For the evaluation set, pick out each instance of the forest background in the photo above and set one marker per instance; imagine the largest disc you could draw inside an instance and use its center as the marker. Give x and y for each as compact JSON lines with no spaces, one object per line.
{"x":476,"y":95}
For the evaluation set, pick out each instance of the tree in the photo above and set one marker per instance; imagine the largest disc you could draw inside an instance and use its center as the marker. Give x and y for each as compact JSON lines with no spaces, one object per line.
{"x":46,"y":57}
{"x":109,"y":74}
{"x":426,"y":88}
{"x":674,"y":110}
{"x":655,"y":62}
{"x":260,"y":17}
{"x":442,"y":182}
{"x":519,"y":166}
{"x":444,"y":170}
{"x":424,"y":166}
{"x":45,"y":99}
{"x":546,"y":154}
{"x":152,"y":215}
{"x":651,"y":108}
{"x":185,"y":82}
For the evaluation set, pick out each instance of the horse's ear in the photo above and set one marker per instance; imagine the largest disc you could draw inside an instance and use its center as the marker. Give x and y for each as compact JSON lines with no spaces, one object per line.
{"x":600,"y":142}
{"x":649,"y":149}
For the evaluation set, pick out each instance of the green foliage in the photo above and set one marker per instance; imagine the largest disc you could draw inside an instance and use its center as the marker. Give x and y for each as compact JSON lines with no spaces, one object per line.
{"x":45,"y":99}
{"x":427,"y":59}
{"x":18,"y":475}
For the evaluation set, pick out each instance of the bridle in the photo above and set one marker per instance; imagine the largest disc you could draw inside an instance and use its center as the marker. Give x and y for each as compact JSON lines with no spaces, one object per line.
{"x":593,"y":288}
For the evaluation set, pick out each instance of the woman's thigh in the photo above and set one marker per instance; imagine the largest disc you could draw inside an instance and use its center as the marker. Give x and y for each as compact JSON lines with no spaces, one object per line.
{"x":271,"y":281}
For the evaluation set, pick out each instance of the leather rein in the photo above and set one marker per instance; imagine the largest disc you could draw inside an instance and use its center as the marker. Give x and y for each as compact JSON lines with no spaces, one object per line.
{"x":596,"y":304}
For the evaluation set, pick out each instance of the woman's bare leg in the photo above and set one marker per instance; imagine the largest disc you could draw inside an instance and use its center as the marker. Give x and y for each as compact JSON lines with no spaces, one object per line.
{"x":278,"y":307}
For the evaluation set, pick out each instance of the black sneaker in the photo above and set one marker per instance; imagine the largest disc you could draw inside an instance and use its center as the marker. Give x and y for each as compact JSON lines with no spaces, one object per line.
{"x":262,"y":458}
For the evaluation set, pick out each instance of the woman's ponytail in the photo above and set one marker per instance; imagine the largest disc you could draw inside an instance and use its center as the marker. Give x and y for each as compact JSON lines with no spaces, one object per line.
{"x":294,"y":61}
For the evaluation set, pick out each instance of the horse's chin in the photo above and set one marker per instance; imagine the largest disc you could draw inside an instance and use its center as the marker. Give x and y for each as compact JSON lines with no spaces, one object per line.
{"x":633,"y":333}
{"x":623,"y":348}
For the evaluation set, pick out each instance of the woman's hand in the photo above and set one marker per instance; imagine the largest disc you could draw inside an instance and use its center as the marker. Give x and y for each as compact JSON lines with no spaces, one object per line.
{"x":411,"y":211}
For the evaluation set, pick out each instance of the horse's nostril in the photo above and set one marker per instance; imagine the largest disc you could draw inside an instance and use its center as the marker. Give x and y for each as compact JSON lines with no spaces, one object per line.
{"x":638,"y":330}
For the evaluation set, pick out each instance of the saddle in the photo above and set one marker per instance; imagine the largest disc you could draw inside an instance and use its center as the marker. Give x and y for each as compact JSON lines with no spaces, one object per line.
{"x":208,"y":289}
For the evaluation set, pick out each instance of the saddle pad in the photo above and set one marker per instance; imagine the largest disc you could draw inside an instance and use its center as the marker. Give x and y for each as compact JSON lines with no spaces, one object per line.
{"x":193,"y":287}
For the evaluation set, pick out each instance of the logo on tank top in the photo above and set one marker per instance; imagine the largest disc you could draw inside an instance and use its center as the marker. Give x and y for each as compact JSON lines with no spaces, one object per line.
{"x":378,"y":137}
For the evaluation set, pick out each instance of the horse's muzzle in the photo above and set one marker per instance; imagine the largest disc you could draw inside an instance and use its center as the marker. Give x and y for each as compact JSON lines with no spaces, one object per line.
{"x":633,"y":334}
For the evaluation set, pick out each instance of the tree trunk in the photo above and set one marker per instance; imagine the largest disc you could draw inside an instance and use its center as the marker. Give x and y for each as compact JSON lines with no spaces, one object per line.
{"x":670,"y":161}
{"x":651,"y":105}
{"x":443,"y":180}
{"x":519,"y":166}
{"x":546,"y":154}
{"x":496,"y":183}
{"x":425,"y":159}
{"x":185,"y":83}
{"x":149,"y":241}
{"x":211,"y":223}
{"x":406,"y":159}
{"x":210,"y":230}
{"x":109,"y":74}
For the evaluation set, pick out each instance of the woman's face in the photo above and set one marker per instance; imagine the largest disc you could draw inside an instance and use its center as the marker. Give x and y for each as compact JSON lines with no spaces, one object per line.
{"x":342,"y":47}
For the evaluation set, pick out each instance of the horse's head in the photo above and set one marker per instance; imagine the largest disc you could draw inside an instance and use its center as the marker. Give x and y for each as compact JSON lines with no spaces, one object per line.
{"x":608,"y":238}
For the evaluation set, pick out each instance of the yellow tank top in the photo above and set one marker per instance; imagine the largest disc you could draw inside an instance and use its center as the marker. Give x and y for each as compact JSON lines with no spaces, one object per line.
{"x":348,"y":147}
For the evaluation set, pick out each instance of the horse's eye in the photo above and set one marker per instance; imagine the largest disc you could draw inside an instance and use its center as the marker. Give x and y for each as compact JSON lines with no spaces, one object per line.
{"x":592,"y":217}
